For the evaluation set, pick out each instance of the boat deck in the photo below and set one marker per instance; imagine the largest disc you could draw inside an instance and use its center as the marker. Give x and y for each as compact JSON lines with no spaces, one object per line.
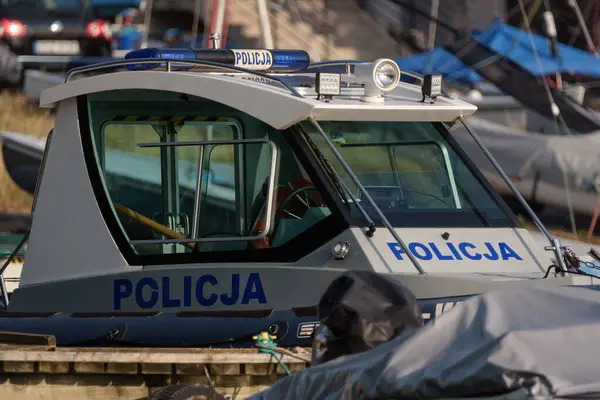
{"x":34,"y":367}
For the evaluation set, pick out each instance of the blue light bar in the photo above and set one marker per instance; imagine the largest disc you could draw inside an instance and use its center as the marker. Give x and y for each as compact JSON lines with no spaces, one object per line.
{"x":256,"y":60}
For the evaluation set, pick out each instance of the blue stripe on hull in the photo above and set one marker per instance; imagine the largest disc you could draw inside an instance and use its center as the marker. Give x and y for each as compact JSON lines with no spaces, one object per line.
{"x":170,"y":330}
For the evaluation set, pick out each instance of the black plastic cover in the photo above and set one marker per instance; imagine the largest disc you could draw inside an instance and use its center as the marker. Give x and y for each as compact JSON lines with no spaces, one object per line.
{"x":361,"y":310}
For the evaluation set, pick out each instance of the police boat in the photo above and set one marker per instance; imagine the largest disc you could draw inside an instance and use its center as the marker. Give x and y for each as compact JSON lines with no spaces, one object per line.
{"x":198,"y":197}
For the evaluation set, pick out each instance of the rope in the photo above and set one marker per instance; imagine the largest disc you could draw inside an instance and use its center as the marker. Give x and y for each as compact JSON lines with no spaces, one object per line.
{"x":590,"y":7}
{"x":537,"y":56}
{"x":595,"y":20}
{"x":515,"y":9}
{"x":582,"y":27}
{"x":555,"y":111}
{"x":285,"y":352}
{"x":274,"y":353}
{"x":581,"y":21}
{"x":535,"y":7}
{"x":278,"y":353}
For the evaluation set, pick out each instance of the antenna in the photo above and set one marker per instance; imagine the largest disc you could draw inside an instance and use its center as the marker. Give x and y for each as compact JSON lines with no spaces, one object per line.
{"x":215,"y":37}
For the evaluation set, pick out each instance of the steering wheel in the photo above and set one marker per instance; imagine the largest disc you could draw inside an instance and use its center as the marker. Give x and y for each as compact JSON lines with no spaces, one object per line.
{"x":297,"y":202}
{"x":289,"y":204}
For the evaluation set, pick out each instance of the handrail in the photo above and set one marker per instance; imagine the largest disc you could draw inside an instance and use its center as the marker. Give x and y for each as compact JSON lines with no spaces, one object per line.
{"x":334,"y":63}
{"x":270,"y":201}
{"x":352,"y":63}
{"x":168,"y":63}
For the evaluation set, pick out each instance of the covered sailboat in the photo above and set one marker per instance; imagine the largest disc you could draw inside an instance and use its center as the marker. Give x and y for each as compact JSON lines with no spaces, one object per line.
{"x":526,"y":140}
{"x":519,"y":76}
{"x":516,"y":62}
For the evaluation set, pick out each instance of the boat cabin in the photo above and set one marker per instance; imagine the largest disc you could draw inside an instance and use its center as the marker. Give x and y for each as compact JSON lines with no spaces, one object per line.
{"x":189,"y":185}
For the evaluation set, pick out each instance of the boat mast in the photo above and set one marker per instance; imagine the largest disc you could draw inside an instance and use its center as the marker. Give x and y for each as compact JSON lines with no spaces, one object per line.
{"x":435,"y":5}
{"x":147,"y":20}
{"x":197,"y":6}
{"x":265,"y":24}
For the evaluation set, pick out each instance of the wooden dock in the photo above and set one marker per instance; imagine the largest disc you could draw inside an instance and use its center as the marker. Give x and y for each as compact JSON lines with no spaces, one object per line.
{"x":33,"y":367}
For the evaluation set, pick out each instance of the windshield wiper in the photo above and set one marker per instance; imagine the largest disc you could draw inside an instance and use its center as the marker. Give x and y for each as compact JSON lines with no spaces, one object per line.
{"x":337,"y":182}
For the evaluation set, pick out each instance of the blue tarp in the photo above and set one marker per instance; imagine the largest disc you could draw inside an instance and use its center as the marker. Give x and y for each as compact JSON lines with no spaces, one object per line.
{"x":515,"y":45}
{"x":439,"y":61}
{"x":128,"y":38}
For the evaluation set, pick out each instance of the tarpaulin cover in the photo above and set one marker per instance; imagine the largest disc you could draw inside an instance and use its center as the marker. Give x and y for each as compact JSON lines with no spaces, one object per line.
{"x":439,"y":61}
{"x":537,"y":163}
{"x":510,"y":77}
{"x":509,"y":42}
{"x":518,"y":46}
{"x":542,"y":341}
{"x":361,"y":310}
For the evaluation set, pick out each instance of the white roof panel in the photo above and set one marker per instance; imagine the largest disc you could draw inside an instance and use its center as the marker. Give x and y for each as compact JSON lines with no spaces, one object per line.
{"x":274,"y":105}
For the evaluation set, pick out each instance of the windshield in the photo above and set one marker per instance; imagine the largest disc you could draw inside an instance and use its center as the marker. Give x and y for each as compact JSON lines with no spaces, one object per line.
{"x":414,"y":173}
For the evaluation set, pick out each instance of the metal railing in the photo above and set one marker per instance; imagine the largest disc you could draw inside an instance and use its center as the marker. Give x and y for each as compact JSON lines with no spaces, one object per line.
{"x":168,"y":67}
{"x":348,"y":66}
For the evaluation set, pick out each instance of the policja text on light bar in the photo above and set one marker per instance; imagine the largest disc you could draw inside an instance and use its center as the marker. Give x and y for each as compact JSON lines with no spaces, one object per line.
{"x":252,"y":59}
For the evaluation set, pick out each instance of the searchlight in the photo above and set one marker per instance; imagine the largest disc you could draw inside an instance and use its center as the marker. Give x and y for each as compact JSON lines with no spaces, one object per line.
{"x":378,"y":77}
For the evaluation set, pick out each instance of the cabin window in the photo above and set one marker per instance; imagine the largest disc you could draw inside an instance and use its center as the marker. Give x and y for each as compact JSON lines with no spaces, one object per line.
{"x":196,"y":177}
{"x":414,"y":173}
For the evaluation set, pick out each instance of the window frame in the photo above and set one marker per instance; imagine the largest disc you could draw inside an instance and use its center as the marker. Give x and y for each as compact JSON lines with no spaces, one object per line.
{"x":291,"y":251}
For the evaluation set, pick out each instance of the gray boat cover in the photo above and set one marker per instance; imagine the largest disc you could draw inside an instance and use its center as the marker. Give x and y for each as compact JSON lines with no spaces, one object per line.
{"x":537,"y":163}
{"x":542,"y":342}
{"x":523,"y":152}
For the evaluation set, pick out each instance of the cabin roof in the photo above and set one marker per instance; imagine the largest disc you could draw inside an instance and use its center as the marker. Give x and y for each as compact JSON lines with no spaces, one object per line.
{"x":259,"y":98}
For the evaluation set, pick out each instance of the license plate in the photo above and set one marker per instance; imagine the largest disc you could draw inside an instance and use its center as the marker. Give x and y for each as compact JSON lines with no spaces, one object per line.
{"x":70,"y":47}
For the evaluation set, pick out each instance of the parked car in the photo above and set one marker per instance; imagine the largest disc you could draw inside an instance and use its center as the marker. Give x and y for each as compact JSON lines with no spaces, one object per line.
{"x":53,"y":28}
{"x":11,"y":70}
{"x":178,"y":38}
